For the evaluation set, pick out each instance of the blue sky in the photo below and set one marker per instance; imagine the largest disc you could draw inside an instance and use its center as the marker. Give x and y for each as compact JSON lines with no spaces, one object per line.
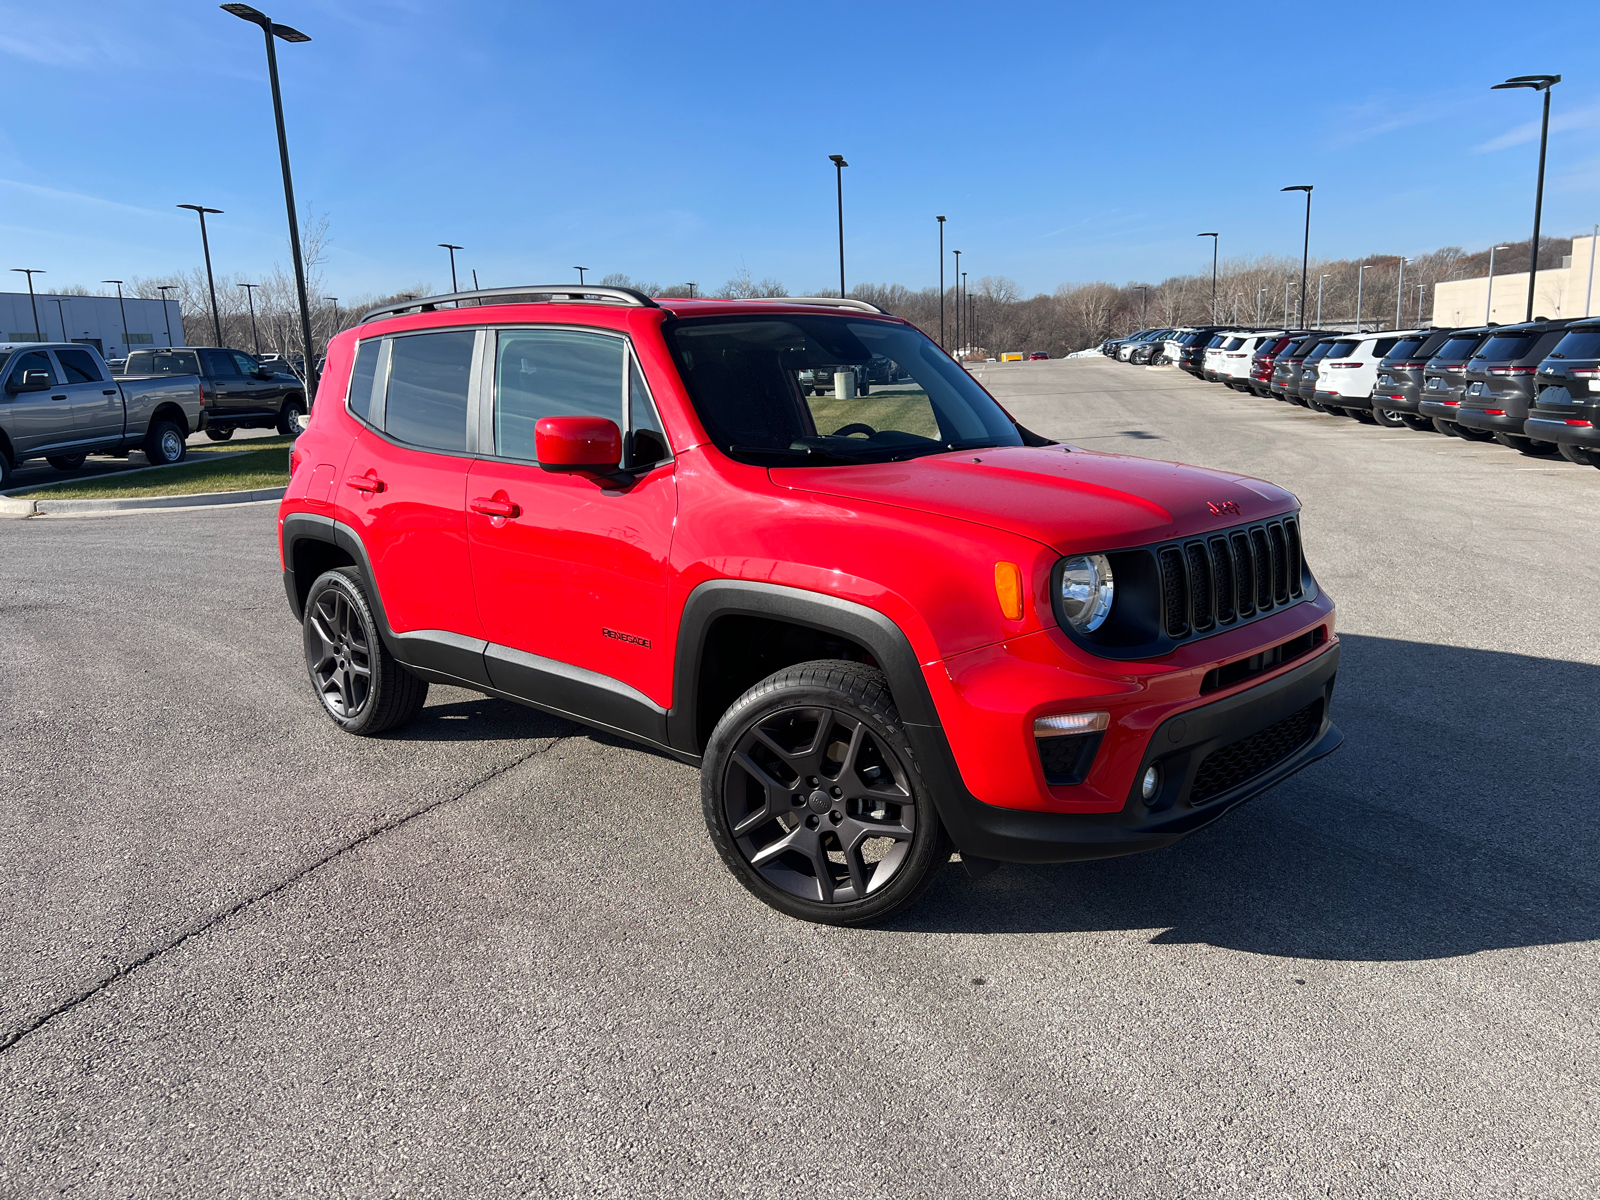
{"x":685,"y":141}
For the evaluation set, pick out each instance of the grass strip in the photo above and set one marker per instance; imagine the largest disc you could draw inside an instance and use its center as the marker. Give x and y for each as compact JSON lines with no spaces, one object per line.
{"x":236,"y":472}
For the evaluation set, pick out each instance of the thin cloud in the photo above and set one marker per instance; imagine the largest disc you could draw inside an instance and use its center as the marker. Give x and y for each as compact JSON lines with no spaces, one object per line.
{"x":1362,"y":123}
{"x":1581,"y":118}
{"x":50,"y":193}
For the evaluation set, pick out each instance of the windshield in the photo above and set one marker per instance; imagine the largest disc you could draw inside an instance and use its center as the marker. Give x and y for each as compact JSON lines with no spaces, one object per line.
{"x":1458,"y":348}
{"x":163,"y":362}
{"x":1506,"y":347}
{"x":797,"y":389}
{"x":1584,"y":343}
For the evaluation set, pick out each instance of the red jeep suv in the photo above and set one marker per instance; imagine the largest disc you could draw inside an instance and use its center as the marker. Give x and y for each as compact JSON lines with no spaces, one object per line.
{"x":883,"y":626}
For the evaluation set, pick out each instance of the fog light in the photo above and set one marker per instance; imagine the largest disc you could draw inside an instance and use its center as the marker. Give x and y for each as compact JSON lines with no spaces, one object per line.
{"x":1150,"y":783}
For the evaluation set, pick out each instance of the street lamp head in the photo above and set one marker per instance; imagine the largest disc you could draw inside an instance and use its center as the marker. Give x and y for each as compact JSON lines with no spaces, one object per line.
{"x":29,"y":270}
{"x":940,"y":220}
{"x":118,"y":282}
{"x":256,"y":17}
{"x":448,"y":246}
{"x":1538,"y":83}
{"x":837,"y":160}
{"x":1298,"y":187}
{"x":1205,"y":235}
{"x":201,"y":208}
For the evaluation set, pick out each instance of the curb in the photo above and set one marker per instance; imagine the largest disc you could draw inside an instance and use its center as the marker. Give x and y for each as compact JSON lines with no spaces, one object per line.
{"x":14,"y":507}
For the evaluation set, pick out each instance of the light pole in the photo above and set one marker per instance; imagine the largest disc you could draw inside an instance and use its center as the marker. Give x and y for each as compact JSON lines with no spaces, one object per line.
{"x":61,"y":315}
{"x":958,"y":300}
{"x":1589,"y":296}
{"x":269,"y":31}
{"x":30,"y":272}
{"x":1213,"y":238}
{"x":452,"y":249}
{"x":1320,"y":282}
{"x":334,"y":300}
{"x":205,"y":244}
{"x":941,"y":281}
{"x":1287,"y":284}
{"x":1360,"y":276}
{"x":839,"y":165}
{"x":580,"y":271}
{"x":691,"y":291}
{"x":1539,"y":83}
{"x":166,"y":312}
{"x":250,"y":294}
{"x":124,"y":308}
{"x":966,"y":311}
{"x":1400,"y":290}
{"x":1488,"y":299}
{"x":1305,"y":253}
{"x":1260,"y":291}
{"x":1144,"y":316}
{"x":1422,"y":291}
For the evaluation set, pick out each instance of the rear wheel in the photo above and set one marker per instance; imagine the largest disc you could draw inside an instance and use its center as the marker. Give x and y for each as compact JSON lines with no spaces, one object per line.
{"x":291,"y":418}
{"x":814,"y":800}
{"x":1581,"y":455}
{"x":1418,"y":422}
{"x":67,"y":462}
{"x":1526,"y":445}
{"x":1474,"y":435}
{"x":1364,"y":415}
{"x":358,"y":682}
{"x":1389,"y":418}
{"x":1448,"y":428}
{"x":164,"y":444}
{"x":219,"y":433}
{"x":1314,"y":404}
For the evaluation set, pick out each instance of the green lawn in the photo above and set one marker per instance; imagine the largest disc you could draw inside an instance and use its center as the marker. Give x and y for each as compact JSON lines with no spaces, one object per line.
{"x":240,"y":470}
{"x":242,"y":446}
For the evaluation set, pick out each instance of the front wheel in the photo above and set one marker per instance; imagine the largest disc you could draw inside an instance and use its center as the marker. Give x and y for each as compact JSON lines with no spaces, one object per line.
{"x":361,"y":686}
{"x":814,"y":800}
{"x":67,"y":462}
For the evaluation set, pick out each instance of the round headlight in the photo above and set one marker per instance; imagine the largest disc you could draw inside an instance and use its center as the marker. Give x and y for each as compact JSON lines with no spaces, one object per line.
{"x":1086,"y":591}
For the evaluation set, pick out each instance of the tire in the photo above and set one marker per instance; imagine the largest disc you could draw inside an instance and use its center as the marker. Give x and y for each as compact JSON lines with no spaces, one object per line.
{"x":778,"y":822}
{"x":291,"y":418}
{"x":1389,"y":418}
{"x":164,"y":444}
{"x":1364,"y":415}
{"x":1313,"y":404}
{"x":5,"y":471}
{"x":219,"y":433}
{"x":1525,"y":445}
{"x":1474,"y":435}
{"x":1448,"y":428}
{"x":1580,"y":455}
{"x":357,"y":681}
{"x":1418,"y":422}
{"x":68,"y":462}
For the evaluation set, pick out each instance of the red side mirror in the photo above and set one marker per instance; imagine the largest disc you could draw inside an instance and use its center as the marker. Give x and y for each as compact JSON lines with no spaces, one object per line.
{"x":577,"y":444}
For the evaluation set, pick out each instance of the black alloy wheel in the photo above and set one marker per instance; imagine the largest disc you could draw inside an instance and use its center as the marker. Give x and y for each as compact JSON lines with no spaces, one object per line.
{"x":813,"y":800}
{"x":1389,"y":418}
{"x":359,"y":683}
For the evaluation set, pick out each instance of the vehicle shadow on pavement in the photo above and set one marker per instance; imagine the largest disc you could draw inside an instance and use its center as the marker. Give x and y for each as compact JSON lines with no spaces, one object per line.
{"x":480,"y":719}
{"x":1459,"y":816}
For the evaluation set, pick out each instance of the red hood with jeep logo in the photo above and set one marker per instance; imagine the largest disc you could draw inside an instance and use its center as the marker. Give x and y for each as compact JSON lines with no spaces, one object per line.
{"x":1071,"y":500}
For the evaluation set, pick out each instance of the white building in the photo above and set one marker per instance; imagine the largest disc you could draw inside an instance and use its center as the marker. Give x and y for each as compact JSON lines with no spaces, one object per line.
{"x":96,"y":320}
{"x":1564,"y":291}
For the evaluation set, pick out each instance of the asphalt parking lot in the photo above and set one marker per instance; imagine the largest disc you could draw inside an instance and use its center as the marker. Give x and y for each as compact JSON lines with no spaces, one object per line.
{"x":497,"y":955}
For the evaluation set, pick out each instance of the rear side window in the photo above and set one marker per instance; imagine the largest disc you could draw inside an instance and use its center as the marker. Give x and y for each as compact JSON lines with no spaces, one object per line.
{"x":359,"y":398}
{"x":1214,"y":342}
{"x":429,"y":376}
{"x":1340,"y":349}
{"x":1404,"y":348}
{"x":1232,"y":343}
{"x":218,"y":363}
{"x":1584,"y":344}
{"x":552,"y":373}
{"x":1320,"y":350}
{"x":79,"y":365}
{"x":1383,"y":346}
{"x":1505,"y":347}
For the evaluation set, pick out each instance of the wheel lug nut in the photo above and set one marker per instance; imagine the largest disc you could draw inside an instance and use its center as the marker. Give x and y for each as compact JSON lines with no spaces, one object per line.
{"x":835,"y":817}
{"x":812,"y":822}
{"x":837,"y":792}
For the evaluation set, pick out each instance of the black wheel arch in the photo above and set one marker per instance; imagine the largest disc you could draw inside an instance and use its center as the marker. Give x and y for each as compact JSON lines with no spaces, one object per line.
{"x":170,"y":412}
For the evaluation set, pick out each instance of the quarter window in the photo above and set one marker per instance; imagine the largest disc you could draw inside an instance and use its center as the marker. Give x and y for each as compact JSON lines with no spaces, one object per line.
{"x":359,"y":397}
{"x":646,"y":441}
{"x":429,"y":377}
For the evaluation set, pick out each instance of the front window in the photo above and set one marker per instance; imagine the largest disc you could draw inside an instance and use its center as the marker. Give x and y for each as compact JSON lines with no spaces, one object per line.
{"x":791,"y":389}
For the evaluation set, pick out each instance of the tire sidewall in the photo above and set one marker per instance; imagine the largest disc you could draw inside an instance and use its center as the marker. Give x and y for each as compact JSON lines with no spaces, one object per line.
{"x":776,"y":694}
{"x":343,"y":581}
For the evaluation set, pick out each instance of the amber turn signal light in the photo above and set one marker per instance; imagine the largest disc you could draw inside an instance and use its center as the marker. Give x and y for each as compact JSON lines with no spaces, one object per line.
{"x":1008,"y":589}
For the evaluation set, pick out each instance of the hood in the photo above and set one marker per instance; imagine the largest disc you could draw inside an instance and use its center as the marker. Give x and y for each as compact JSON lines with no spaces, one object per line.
{"x":1071,"y":500}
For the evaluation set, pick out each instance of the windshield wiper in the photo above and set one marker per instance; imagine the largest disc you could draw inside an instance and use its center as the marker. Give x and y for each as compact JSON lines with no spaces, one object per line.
{"x":805,"y":451}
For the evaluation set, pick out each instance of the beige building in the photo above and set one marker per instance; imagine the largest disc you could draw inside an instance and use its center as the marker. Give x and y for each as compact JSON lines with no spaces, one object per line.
{"x":1560,"y":292}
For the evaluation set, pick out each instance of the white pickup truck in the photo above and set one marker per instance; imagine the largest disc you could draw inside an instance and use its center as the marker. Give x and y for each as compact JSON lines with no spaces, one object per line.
{"x":59,"y":402}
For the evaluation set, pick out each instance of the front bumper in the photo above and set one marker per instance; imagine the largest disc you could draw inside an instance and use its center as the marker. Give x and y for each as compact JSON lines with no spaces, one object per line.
{"x":1232,"y":750}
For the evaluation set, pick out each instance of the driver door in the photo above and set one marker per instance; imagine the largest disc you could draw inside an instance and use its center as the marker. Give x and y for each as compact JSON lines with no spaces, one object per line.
{"x":42,"y":418}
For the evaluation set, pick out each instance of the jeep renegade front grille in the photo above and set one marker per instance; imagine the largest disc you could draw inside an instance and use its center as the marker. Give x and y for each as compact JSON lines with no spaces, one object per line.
{"x":1217,"y":581}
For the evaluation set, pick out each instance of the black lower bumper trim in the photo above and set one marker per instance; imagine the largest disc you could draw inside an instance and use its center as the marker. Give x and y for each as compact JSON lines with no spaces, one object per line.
{"x":1180,"y":747}
{"x":1546,"y":430}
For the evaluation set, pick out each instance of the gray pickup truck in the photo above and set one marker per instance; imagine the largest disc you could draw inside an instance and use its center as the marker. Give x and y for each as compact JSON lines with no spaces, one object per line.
{"x":60,"y":403}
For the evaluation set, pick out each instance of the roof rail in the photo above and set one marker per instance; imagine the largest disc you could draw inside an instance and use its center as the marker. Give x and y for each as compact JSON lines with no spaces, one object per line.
{"x":507,"y":295}
{"x":825,"y":301}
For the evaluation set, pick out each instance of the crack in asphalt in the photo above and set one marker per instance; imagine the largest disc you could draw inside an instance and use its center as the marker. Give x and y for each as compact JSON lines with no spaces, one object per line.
{"x":123,"y":970}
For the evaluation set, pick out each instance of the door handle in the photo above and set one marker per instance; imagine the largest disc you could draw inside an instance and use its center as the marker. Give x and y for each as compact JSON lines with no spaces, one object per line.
{"x":485,"y":506}
{"x":366,"y":483}
{"x":58,"y":397}
{"x":109,"y":392}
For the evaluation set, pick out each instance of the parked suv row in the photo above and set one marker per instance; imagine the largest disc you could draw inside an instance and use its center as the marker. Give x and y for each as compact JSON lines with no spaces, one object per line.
{"x":1533,"y":386}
